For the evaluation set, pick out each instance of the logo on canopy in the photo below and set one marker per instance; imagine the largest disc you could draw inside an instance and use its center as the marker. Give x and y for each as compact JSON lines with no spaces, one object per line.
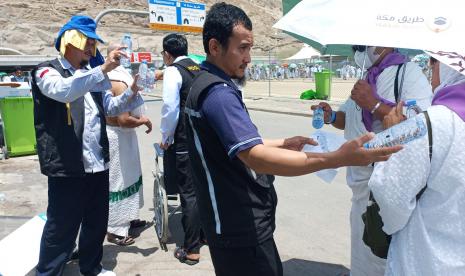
{"x":439,"y":24}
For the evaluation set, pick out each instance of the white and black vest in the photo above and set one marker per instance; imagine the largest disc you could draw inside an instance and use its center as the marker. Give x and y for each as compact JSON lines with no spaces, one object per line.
{"x":59,"y":145}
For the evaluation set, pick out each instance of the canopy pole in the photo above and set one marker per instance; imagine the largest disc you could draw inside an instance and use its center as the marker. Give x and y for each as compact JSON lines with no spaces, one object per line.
{"x":330,"y":76}
{"x":269,"y":74}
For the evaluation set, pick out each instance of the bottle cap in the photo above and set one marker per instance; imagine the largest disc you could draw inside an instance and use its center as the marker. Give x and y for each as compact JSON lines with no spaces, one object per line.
{"x":410,"y":102}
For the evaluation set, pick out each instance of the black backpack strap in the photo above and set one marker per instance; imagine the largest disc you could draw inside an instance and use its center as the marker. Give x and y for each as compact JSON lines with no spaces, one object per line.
{"x":397,"y":90}
{"x":200,"y":84}
{"x":430,"y":147}
{"x":430,"y":134}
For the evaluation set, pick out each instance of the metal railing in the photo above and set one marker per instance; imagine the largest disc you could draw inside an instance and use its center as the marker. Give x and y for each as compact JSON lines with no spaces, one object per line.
{"x":109,"y":11}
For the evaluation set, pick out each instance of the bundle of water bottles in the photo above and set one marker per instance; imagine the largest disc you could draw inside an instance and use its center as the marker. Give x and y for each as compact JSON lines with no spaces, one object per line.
{"x":146,"y":75}
{"x":412,"y":128}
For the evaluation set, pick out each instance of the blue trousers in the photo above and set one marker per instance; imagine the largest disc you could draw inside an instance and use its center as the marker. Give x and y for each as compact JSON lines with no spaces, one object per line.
{"x":75,"y":202}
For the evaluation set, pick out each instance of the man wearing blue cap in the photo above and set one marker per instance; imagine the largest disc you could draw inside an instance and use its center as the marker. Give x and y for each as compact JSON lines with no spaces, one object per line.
{"x":71,"y":101}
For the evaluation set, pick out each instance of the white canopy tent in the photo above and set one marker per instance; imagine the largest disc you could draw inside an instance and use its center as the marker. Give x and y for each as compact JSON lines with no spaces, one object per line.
{"x":306,"y":52}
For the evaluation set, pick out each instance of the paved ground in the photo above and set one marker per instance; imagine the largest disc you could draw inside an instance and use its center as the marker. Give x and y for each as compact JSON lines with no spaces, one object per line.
{"x":340,"y":89}
{"x":312,"y":217}
{"x":291,"y":89}
{"x":283,"y":96}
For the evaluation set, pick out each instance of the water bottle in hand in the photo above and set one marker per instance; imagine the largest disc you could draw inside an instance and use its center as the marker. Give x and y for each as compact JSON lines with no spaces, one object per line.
{"x":142,"y":80}
{"x":402,"y":133}
{"x":150,"y":79}
{"x":412,"y":108}
{"x":318,"y":118}
{"x":126,"y":42}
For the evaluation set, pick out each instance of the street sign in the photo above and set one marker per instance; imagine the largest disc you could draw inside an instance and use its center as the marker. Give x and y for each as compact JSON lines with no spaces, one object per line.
{"x":174,"y":16}
{"x":140,"y":56}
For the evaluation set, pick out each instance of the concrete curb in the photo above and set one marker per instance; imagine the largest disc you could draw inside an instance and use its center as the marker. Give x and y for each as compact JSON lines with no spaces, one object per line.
{"x":275,"y":104}
{"x":280,"y":112}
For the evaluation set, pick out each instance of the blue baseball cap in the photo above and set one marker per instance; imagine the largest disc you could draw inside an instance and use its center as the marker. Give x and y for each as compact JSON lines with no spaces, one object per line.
{"x":83,"y":24}
{"x":87,"y":26}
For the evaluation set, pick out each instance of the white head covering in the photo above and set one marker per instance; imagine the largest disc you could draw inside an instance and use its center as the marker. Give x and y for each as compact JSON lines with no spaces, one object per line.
{"x":448,"y":77}
{"x":451,"y":68}
{"x":121,"y":74}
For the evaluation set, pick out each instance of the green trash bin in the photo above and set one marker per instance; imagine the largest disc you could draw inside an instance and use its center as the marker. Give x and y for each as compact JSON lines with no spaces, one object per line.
{"x":323,"y":85}
{"x":18,"y":122}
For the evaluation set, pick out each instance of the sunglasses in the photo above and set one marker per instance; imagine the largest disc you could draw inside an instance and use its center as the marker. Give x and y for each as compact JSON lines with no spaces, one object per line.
{"x":360,"y":48}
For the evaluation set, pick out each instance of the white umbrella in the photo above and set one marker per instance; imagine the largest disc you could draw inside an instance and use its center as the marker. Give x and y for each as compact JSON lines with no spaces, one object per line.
{"x":413,"y":24}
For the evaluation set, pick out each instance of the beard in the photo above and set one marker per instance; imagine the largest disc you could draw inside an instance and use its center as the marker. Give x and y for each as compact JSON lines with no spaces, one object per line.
{"x":242,"y":81}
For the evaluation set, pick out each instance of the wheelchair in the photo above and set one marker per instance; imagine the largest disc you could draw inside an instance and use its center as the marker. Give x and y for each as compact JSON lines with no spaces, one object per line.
{"x":164,"y":205}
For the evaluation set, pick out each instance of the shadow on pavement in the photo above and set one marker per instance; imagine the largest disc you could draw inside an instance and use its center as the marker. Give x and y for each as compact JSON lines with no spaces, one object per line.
{"x":135,"y":232}
{"x":297,"y":267}
{"x":111,"y":251}
{"x":109,"y":262}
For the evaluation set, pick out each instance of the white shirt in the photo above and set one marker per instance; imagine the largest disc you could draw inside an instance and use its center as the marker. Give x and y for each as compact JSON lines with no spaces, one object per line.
{"x":415,"y":86}
{"x":83,"y":81}
{"x":172,"y":83}
{"x":428,"y":235}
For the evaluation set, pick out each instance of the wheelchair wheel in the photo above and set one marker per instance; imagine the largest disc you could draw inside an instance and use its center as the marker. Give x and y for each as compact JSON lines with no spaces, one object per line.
{"x":160,"y":207}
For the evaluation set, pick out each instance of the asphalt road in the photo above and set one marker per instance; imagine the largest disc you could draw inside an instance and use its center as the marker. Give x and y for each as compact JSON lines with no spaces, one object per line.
{"x":312,"y":232}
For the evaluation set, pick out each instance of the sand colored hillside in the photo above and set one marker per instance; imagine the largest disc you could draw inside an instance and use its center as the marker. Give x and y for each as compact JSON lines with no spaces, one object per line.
{"x":31,"y":26}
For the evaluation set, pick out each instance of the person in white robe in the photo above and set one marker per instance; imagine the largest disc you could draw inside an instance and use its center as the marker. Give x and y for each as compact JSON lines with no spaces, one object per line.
{"x":126,"y":191}
{"x":428,"y":235}
{"x":365,"y":97}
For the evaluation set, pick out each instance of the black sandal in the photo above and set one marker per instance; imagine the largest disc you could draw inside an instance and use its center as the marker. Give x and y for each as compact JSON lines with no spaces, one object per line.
{"x":181,"y":254}
{"x":119,"y":240}
{"x":138,"y":223}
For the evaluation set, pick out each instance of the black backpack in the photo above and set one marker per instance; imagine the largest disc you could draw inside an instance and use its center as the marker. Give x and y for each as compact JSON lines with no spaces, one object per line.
{"x":373,"y":235}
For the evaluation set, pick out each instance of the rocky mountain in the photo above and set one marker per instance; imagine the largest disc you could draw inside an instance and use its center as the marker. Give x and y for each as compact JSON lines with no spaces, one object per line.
{"x":31,"y":26}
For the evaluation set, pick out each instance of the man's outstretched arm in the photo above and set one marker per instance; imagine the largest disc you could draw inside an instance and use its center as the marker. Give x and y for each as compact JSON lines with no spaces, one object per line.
{"x":278,"y":161}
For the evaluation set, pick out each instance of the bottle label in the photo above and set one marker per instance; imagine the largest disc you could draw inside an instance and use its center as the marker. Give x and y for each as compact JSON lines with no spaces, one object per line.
{"x":402,"y":133}
{"x":318,"y":118}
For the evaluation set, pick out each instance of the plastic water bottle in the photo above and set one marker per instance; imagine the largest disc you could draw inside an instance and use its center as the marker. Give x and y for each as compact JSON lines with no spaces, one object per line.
{"x":142,"y":81}
{"x":402,"y":133}
{"x":318,"y":118}
{"x":412,"y":108}
{"x":126,"y":62}
{"x":150,"y":79}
